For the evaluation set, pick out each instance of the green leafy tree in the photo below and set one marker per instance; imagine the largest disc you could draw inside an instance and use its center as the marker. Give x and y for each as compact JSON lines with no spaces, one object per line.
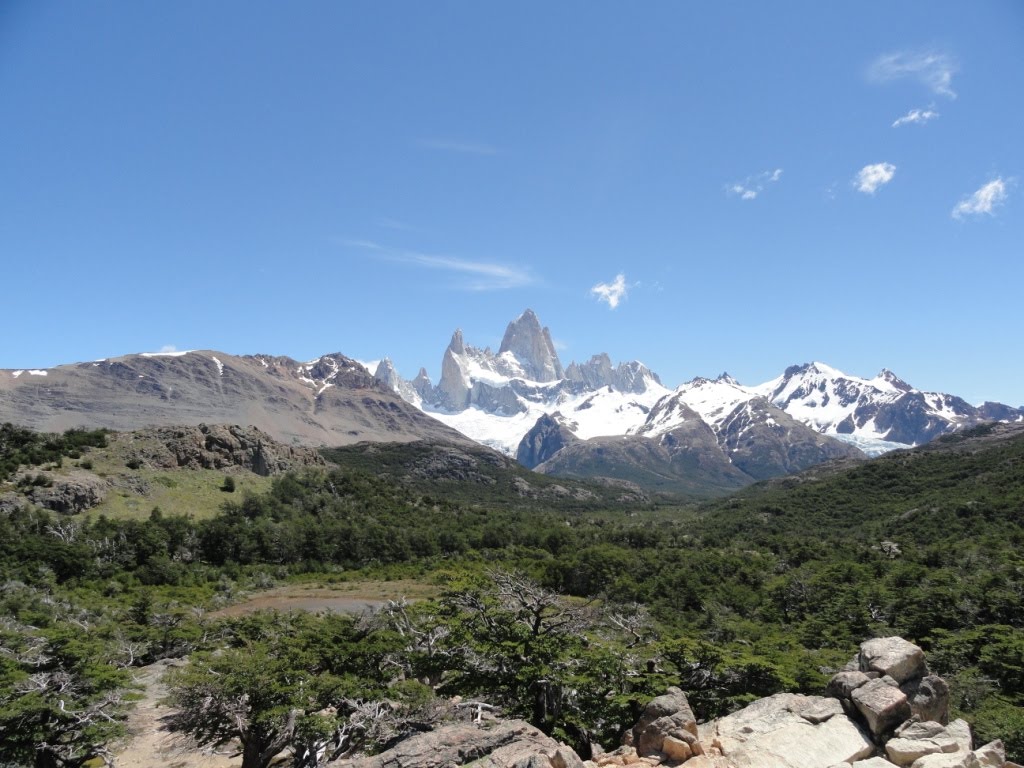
{"x":250,"y":694}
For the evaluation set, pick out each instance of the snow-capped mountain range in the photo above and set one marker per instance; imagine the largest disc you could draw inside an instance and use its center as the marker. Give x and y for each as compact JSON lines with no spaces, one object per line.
{"x":497,"y":398}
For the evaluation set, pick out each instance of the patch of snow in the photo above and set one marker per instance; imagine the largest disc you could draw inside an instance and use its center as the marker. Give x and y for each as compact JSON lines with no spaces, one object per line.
{"x":324,"y":387}
{"x":175,"y":353}
{"x":37,"y":373}
{"x":16,"y":374}
{"x":593,"y":414}
{"x":714,"y":400}
{"x":220,"y":365}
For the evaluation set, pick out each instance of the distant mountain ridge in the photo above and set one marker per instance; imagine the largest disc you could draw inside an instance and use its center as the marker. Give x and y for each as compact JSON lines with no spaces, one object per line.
{"x":589,"y":419}
{"x":522,"y":401}
{"x":332,"y":400}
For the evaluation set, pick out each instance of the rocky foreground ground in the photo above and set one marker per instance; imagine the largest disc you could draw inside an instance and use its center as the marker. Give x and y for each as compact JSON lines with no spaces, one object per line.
{"x":885,"y":709}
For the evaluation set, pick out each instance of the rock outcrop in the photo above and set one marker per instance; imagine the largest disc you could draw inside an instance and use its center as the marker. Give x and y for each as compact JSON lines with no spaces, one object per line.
{"x":787,"y":730}
{"x":546,"y":438}
{"x":218,"y":446}
{"x":501,"y":744}
{"x":69,"y":494}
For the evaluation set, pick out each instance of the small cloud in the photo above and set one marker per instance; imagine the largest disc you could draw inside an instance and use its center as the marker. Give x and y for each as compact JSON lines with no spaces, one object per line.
{"x":934,"y":70}
{"x":984,"y":200}
{"x":871,"y":177}
{"x":168,"y":348}
{"x":612,"y":292}
{"x":461,"y":147}
{"x":752,"y":186}
{"x":916,"y":116}
{"x":476,"y":275}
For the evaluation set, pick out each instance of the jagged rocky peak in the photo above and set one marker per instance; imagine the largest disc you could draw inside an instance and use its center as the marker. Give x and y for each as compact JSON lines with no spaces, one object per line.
{"x":456,"y":345}
{"x":598,"y":372}
{"x":725,"y":378}
{"x":891,"y":378}
{"x":595,"y":373}
{"x":531,"y":345}
{"x":422,"y":384}
{"x":387,"y":374}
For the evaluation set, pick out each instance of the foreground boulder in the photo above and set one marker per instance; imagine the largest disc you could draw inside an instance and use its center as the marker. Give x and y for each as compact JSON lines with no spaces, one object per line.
{"x":787,"y":730}
{"x":666,"y":717}
{"x":500,"y":744}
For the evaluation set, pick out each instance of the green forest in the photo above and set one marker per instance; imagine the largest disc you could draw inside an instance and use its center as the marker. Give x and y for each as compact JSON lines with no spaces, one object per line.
{"x":570,"y":614}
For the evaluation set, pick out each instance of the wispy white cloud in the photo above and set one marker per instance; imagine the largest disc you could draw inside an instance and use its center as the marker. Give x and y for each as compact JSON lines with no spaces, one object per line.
{"x":871,"y":177}
{"x":461,"y":147}
{"x":752,"y":186}
{"x":916,"y":116}
{"x":932,"y":69}
{"x":473,"y":275}
{"x":983,"y":200}
{"x":611,"y":293}
{"x":168,"y":349}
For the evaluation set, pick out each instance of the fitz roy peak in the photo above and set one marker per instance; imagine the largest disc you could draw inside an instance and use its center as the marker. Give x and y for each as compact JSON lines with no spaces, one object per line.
{"x":594,"y":418}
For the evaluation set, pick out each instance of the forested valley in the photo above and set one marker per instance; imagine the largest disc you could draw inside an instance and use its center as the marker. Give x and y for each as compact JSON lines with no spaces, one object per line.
{"x":570,"y":613}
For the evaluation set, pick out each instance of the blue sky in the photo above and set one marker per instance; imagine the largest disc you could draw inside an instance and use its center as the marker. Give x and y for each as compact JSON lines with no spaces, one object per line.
{"x":774,"y":183}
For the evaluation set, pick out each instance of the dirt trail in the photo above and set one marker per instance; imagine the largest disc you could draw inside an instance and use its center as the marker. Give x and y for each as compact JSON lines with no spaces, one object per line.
{"x":149,"y":744}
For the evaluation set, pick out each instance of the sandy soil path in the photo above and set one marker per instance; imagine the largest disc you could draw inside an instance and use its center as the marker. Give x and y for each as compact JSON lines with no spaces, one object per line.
{"x":149,"y":743}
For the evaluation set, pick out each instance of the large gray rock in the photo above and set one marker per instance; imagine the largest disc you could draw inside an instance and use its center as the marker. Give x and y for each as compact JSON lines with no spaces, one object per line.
{"x":788,"y":730}
{"x":992,"y":754}
{"x":892,"y":656}
{"x":950,"y":760}
{"x":666,"y":715}
{"x":928,"y":697}
{"x":844,"y":683}
{"x":914,"y":740}
{"x":504,"y":744}
{"x":883,"y":706}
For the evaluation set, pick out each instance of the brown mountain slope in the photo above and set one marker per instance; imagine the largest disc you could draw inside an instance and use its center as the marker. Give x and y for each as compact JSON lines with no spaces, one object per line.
{"x":329,"y":401}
